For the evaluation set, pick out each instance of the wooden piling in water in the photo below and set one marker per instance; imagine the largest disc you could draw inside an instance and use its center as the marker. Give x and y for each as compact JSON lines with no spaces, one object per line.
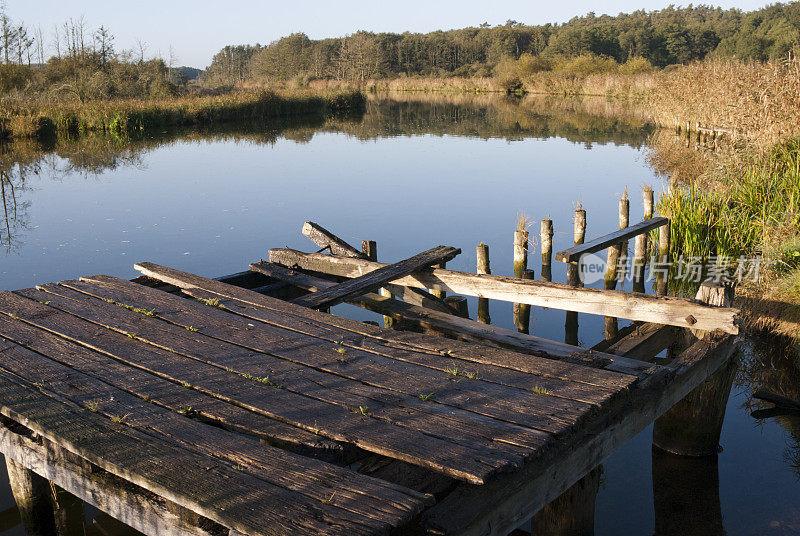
{"x":32,"y":494}
{"x":546,"y":237}
{"x":572,"y":513}
{"x":522,"y":316}
{"x":370,"y":249}
{"x":613,"y":262}
{"x":573,"y":276}
{"x":521,"y":238}
{"x":640,"y":245}
{"x":663,"y":259}
{"x":68,"y":512}
{"x":483,"y":267}
{"x":438,"y":293}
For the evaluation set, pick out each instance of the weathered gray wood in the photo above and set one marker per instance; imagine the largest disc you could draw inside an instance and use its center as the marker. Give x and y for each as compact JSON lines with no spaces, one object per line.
{"x":617,"y":237}
{"x":377,"y":278}
{"x":229,"y":497}
{"x":660,"y":310}
{"x":326,"y":410}
{"x":326,"y":239}
{"x":466,"y":512}
{"x":408,"y":340}
{"x":372,"y":503}
{"x":143,"y":510}
{"x":465,"y":327}
{"x":31,"y":492}
{"x":370,"y":249}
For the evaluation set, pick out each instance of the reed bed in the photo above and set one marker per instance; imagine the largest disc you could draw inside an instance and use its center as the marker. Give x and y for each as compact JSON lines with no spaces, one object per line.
{"x":125,"y":117}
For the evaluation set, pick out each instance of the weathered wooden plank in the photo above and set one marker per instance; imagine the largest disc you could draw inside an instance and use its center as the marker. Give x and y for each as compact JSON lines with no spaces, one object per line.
{"x":136,"y":507}
{"x":612,"y":239}
{"x":466,"y":512}
{"x":371,"y":502}
{"x":237,"y":380}
{"x":462,"y":327}
{"x":377,"y":278}
{"x":645,"y":342}
{"x":420,"y":342}
{"x":462,"y":389}
{"x":326,"y":239}
{"x":232,"y":498}
{"x":659,"y":310}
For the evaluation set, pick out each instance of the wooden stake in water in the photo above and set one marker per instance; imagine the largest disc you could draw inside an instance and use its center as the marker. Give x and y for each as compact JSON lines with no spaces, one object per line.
{"x":32,"y":494}
{"x":614,"y":260}
{"x":370,"y":249}
{"x":483,"y":267}
{"x":640,"y":248}
{"x":521,"y":238}
{"x":573,"y":276}
{"x":546,"y":236}
{"x":522,"y":318}
{"x":663,"y":259}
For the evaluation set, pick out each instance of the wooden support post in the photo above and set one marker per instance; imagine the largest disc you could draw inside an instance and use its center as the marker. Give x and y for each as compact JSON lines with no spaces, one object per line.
{"x":459,"y":305}
{"x":686,"y":495}
{"x":370,"y":249}
{"x":613,"y":263}
{"x":32,"y":494}
{"x":573,"y":277}
{"x":546,"y":236}
{"x":663,"y":259}
{"x":438,"y":293}
{"x":572,"y":513}
{"x":521,"y":238}
{"x":692,"y":427}
{"x":483,"y":268}
{"x":522,"y":316}
{"x":640,"y":248}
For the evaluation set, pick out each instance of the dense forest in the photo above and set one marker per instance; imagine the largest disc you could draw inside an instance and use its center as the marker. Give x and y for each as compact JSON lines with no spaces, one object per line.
{"x":647,"y":39}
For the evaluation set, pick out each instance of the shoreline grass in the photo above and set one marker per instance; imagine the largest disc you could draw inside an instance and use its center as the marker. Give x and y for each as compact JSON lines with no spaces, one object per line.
{"x":22,"y":119}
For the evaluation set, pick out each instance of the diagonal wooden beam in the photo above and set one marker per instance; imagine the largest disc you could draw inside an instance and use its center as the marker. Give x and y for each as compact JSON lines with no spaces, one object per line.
{"x":611,"y":239}
{"x":377,"y":278}
{"x":326,"y":239}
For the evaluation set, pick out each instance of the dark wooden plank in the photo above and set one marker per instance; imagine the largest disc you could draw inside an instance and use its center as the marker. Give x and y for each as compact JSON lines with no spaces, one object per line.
{"x":464,"y":390}
{"x":379,"y":505}
{"x":427,"y":343}
{"x":167,"y":394}
{"x":646,"y":341}
{"x":238,"y":378}
{"x":464,"y":328}
{"x":377,"y":278}
{"x":326,"y":239}
{"x":232,"y":498}
{"x":612,"y":239}
{"x":617,"y":303}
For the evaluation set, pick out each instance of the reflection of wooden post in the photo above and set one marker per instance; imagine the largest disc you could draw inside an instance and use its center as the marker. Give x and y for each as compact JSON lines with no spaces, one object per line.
{"x":523,"y":316}
{"x":32,"y":495}
{"x":692,"y":427}
{"x":663,"y":258}
{"x":546,"y":236}
{"x":573,"y":277}
{"x":439,"y":293}
{"x":520,"y":266}
{"x":613,"y":261}
{"x":483,"y":268}
{"x":572,"y":513}
{"x":67,"y":512}
{"x":686,"y":495}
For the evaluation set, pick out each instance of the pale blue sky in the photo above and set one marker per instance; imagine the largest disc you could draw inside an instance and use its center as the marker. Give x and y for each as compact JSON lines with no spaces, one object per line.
{"x":196,"y":29}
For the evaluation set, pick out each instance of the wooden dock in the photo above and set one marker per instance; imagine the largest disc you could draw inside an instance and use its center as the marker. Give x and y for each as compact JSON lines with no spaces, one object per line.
{"x":194,"y":406}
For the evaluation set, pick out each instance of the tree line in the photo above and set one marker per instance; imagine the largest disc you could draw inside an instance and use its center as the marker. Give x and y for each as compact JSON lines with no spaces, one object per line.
{"x":75,"y":62}
{"x":659,"y":38}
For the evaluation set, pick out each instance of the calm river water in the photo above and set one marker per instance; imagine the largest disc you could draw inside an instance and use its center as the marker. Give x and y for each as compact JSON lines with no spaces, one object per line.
{"x":413,"y":173}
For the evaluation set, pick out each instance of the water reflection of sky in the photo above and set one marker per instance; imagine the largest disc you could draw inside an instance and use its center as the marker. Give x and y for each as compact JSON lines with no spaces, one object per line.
{"x":213,"y":207}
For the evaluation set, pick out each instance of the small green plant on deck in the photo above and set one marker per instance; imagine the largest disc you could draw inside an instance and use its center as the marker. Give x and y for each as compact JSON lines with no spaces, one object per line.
{"x":211,"y":302}
{"x":120,"y":419}
{"x":541,"y":391}
{"x":426,"y":397}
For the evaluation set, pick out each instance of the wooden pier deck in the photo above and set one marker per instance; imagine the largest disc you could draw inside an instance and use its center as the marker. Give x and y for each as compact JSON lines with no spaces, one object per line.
{"x":214,"y":409}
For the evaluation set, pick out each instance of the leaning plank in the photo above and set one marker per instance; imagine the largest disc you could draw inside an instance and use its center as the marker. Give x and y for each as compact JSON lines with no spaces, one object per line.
{"x":229,"y":497}
{"x":457,"y":326}
{"x":660,"y":310}
{"x":617,"y":237}
{"x":645,"y":341}
{"x":466,"y":512}
{"x":326,"y":239}
{"x":401,"y":340}
{"x":136,"y":507}
{"x":377,"y":278}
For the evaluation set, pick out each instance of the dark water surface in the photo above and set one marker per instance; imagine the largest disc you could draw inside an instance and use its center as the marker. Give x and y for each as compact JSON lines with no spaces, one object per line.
{"x":413,"y":173}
